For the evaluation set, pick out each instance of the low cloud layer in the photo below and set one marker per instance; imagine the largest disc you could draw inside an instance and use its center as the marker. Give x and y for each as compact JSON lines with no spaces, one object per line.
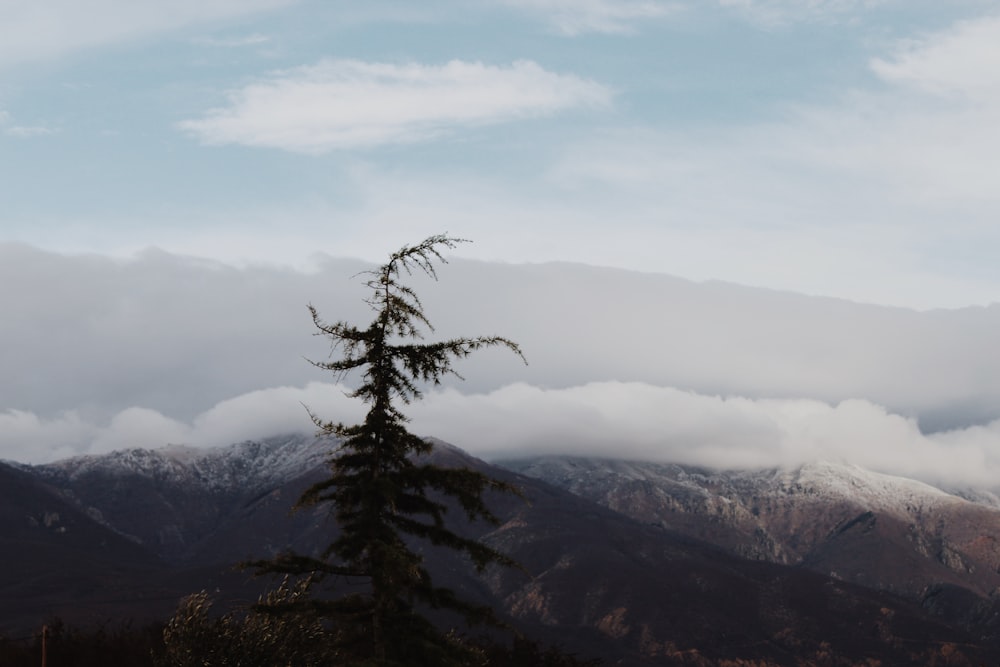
{"x":640,"y":421}
{"x":342,"y":104}
{"x":178,"y":335}
{"x":28,"y":438}
{"x":610,"y":419}
{"x":101,"y":354}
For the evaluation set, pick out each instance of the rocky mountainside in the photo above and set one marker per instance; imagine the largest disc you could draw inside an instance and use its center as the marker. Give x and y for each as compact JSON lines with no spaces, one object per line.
{"x":136,"y":530}
{"x":52,"y":552}
{"x":171,"y":500}
{"x":888,"y":533}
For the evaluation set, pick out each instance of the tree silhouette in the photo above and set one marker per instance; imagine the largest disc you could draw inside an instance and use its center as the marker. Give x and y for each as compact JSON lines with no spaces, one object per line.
{"x":381,"y":486}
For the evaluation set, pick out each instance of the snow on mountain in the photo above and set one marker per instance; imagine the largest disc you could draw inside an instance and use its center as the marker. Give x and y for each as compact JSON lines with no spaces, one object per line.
{"x":878,"y":530}
{"x":175,"y":500}
{"x":829,"y":482}
{"x":820,"y":482}
{"x":246,"y":465}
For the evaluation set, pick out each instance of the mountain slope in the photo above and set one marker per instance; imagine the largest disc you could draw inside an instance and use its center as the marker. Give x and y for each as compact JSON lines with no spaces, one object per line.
{"x":52,"y":554}
{"x":594,"y":580}
{"x":885,"y":532}
{"x":171,"y":499}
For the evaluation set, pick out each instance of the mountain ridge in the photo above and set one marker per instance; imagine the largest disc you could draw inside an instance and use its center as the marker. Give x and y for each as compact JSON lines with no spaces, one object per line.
{"x":804,"y":516}
{"x":600,"y":582}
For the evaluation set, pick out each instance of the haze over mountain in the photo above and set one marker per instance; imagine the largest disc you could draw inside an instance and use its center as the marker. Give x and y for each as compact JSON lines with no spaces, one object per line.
{"x":104,"y":354}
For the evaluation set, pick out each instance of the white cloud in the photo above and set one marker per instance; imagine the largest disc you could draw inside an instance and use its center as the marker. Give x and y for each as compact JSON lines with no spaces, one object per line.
{"x":961,"y":61}
{"x":137,"y":427}
{"x":644,"y":422}
{"x":340,"y":104}
{"x":877,"y":191}
{"x":28,"y":131}
{"x":931,"y":136}
{"x":621,"y":420}
{"x":574,"y":17}
{"x":27,"y":438}
{"x":274,"y":411}
{"x":31,"y":30}
{"x":102,"y":354}
{"x":177,"y":335}
{"x":21,"y":131}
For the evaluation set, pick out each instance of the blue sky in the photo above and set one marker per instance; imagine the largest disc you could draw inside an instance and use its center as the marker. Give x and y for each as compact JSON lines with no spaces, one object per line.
{"x":844,"y":148}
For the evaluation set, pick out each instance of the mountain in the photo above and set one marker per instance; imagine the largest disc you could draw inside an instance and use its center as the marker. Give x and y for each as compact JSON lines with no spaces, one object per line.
{"x":156,"y":524}
{"x":880,"y":531}
{"x":53,"y":554}
{"x":596,"y":581}
{"x":172,"y":500}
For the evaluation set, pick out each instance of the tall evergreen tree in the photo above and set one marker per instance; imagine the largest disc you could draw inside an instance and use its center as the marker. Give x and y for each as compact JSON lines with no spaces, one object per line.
{"x":381,"y":486}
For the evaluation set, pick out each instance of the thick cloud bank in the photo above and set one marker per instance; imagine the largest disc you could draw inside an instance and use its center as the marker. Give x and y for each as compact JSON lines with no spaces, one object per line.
{"x":100,"y":354}
{"x":625,"y":420}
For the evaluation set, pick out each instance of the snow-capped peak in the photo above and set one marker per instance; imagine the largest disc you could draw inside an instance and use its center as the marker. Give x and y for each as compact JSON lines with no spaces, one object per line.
{"x":249,"y":464}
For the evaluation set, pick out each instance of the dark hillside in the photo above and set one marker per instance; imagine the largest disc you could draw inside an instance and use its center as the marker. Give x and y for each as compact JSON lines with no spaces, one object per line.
{"x":597,"y":582}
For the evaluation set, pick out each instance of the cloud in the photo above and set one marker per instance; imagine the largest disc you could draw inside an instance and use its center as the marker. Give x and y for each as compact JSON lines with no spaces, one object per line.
{"x":168,"y":333}
{"x":621,"y":420}
{"x":344,"y":104}
{"x":958,"y":62}
{"x":107,"y":353}
{"x":101,"y":354}
{"x":644,"y":422}
{"x":275,"y":411}
{"x":27,"y":131}
{"x":137,"y":427}
{"x":21,"y":131}
{"x":26,"y":437}
{"x":575,"y":17}
{"x":95,"y":335}
{"x":929,"y":137}
{"x":32,"y":30}
{"x":254,"y":39}
{"x":886,"y":185}
{"x":776,"y":13}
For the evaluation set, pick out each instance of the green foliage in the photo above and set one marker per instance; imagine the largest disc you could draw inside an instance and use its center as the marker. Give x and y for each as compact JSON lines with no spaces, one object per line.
{"x":383,"y":492}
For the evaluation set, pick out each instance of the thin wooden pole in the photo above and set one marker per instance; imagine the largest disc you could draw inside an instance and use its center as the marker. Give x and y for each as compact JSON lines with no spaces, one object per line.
{"x":45,"y":639}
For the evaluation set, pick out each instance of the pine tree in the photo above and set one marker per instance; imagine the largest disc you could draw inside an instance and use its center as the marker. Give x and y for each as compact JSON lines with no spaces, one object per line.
{"x":381,"y":486}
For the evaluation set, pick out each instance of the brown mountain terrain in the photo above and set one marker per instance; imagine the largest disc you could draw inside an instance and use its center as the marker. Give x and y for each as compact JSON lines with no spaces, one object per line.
{"x":144,"y":528}
{"x":887,"y":533}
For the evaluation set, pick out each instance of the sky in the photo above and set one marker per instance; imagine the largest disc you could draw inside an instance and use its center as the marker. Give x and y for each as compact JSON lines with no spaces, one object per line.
{"x":178,"y":179}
